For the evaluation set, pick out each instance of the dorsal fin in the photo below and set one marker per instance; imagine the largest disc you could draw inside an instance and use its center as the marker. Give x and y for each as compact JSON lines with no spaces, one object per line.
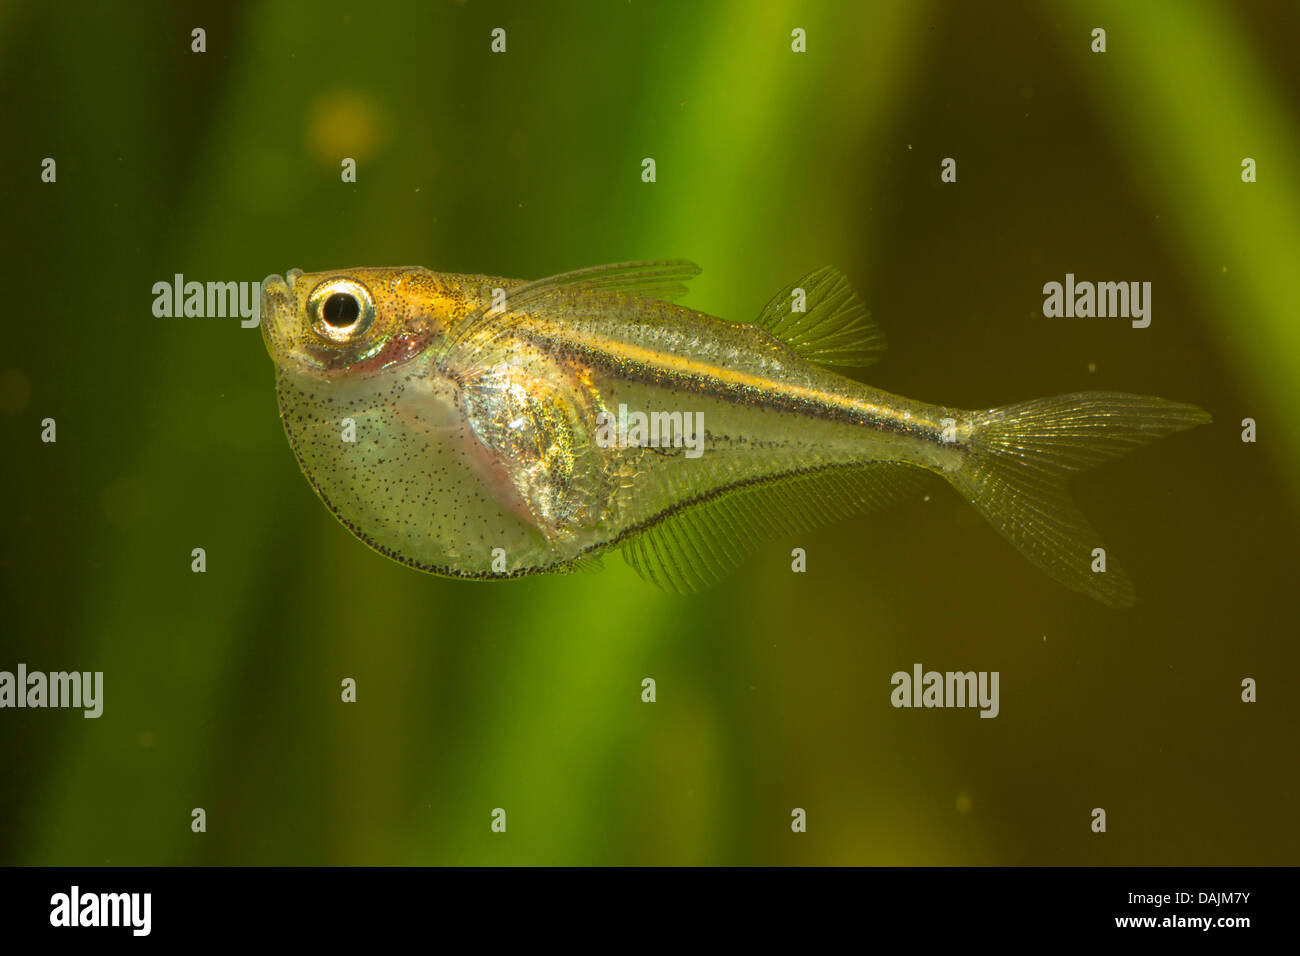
{"x":700,"y":543}
{"x":662,"y":279}
{"x":834,"y":329}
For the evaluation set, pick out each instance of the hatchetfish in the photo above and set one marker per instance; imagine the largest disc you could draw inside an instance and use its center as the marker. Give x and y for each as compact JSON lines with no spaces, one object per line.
{"x":483,"y":427}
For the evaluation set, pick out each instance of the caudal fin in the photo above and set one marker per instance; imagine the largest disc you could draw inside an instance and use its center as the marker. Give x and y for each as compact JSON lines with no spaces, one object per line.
{"x":1021,"y":457}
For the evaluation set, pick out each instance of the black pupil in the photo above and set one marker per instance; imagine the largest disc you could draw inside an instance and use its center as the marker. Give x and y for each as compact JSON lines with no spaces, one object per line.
{"x":341,"y":310}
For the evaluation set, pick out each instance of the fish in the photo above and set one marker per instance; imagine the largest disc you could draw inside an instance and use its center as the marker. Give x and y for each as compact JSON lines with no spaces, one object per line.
{"x":480,"y":427}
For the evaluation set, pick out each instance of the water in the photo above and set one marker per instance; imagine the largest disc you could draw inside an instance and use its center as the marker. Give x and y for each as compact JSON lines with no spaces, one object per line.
{"x":222,"y":690}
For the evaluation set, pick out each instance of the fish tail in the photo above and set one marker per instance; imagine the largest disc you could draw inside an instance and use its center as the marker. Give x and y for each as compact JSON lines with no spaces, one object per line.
{"x":1019,"y":458}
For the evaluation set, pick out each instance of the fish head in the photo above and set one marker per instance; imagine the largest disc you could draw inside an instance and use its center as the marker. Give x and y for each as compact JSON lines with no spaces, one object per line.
{"x":378,"y":424}
{"x":354,"y":322}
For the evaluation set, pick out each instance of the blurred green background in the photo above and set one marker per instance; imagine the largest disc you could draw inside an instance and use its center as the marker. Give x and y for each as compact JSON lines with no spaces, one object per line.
{"x":222,"y":689}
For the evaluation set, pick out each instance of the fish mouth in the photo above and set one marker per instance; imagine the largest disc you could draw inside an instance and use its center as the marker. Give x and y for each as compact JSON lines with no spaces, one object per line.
{"x":278,"y":291}
{"x":275,"y":296}
{"x":277,"y":305}
{"x":282,"y":325}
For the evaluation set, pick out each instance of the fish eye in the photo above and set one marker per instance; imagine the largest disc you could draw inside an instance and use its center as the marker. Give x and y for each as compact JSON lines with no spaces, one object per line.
{"x":341,"y":310}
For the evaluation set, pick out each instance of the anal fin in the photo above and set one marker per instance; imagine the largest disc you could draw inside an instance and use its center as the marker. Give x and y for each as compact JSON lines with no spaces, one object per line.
{"x":696,"y":544}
